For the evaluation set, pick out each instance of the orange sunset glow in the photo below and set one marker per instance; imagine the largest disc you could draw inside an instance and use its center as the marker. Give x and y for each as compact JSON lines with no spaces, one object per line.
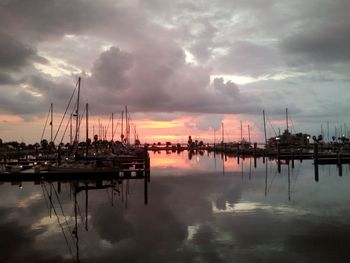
{"x":148,"y":131}
{"x":205,"y":162}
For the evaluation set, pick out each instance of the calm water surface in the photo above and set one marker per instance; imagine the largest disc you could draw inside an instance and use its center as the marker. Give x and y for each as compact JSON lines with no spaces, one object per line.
{"x":200,"y":209}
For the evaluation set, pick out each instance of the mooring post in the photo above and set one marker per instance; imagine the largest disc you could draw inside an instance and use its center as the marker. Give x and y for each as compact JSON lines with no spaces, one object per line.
{"x":255,"y":162}
{"x":316,"y":171}
{"x":339,"y":158}
{"x":340,"y":170}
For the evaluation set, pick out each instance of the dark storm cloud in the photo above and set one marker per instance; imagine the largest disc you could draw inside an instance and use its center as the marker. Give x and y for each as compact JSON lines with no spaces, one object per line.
{"x":322,"y":36}
{"x":110,"y":69}
{"x":327,"y":43}
{"x":38,"y":20}
{"x":6,"y":79}
{"x":13,"y":53}
{"x":28,"y":104}
{"x":35,"y":93}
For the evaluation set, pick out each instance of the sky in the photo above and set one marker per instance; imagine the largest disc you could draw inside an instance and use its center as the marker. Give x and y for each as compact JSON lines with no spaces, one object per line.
{"x":182,"y":67}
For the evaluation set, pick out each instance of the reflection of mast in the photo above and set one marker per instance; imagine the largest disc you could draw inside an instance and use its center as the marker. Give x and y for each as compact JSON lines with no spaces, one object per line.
{"x":75,"y":231}
{"x":250,"y":168}
{"x":86,"y":207}
{"x":58,"y":219}
{"x":214,"y":160}
{"x":223,"y":166}
{"x":288,"y":182}
{"x":50,"y":199}
{"x":76,"y":188}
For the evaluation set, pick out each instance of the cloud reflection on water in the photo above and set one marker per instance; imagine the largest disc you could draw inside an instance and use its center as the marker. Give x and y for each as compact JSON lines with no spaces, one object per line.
{"x":200,"y":215}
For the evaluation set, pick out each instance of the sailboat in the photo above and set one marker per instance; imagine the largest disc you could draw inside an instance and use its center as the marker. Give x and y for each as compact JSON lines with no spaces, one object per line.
{"x":287,"y":138}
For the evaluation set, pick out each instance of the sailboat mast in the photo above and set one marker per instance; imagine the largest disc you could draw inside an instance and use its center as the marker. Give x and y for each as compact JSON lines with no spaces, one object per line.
{"x":99,"y":129}
{"x":71,"y":129}
{"x":214,"y":136}
{"x":264,"y":127}
{"x":121,"y":131}
{"x":126,"y":124}
{"x":112,"y":127}
{"x":77,"y":113}
{"x":249,"y":133}
{"x":222,"y":132}
{"x":241,"y":132}
{"x":87,"y":128}
{"x":287,"y":118}
{"x":51,"y":122}
{"x":327,"y":131}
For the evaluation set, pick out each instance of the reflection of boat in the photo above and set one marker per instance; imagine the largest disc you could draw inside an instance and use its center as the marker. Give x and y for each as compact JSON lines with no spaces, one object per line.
{"x":117,"y":187}
{"x":68,"y":223}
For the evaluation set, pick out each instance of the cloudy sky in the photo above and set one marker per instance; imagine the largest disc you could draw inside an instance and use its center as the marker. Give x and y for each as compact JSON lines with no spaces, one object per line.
{"x":182,"y":67}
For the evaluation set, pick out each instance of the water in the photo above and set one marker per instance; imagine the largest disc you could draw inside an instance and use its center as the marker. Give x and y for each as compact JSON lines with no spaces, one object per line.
{"x":200,"y":209}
